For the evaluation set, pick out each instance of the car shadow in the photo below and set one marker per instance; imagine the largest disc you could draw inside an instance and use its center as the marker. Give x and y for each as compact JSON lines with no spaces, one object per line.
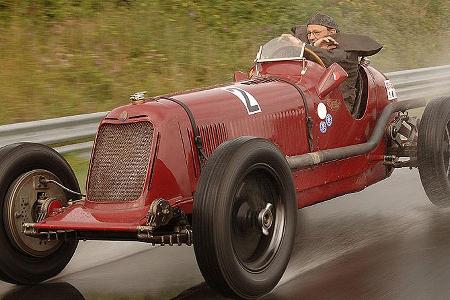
{"x":45,"y":291}
{"x":201,"y":291}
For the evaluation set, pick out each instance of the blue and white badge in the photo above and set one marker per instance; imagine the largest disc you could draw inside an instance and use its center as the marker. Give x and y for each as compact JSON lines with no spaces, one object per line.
{"x":329,"y":120}
{"x":323,"y":126}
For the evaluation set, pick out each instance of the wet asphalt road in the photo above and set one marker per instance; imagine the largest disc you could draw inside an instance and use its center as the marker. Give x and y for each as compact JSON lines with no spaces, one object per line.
{"x":387,"y":242}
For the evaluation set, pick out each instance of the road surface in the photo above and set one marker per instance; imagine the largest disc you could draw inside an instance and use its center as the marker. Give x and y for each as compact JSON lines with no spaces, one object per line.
{"x":386,"y":242}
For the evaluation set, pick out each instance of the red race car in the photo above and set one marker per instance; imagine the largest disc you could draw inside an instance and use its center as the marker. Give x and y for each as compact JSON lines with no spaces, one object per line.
{"x":223,"y":169}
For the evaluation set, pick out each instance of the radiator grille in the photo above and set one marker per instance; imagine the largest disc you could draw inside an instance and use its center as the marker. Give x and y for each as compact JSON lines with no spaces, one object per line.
{"x":120,"y":162}
{"x":258,"y":81}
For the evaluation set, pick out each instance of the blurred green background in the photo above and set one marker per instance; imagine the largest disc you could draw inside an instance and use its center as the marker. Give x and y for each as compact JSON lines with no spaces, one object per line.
{"x":66,"y":57}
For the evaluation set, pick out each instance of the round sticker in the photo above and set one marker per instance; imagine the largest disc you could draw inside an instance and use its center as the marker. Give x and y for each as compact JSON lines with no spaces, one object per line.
{"x":329,"y":120}
{"x":323,"y":127}
{"x":321,"y":111}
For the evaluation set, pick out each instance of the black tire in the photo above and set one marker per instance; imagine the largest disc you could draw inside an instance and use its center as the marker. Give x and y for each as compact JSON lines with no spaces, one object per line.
{"x":17,"y":266}
{"x":433,"y":151}
{"x":239,"y":180}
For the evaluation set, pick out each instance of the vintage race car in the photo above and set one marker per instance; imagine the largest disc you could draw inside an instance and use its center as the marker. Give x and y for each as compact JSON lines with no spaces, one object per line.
{"x":223,"y":169}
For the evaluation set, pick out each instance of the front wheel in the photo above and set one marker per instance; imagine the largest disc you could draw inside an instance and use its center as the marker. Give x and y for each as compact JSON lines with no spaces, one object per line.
{"x":244,"y":218}
{"x":433,"y":151}
{"x":24,"y":259}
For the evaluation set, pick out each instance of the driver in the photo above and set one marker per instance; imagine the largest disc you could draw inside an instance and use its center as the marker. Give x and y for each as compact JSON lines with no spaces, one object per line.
{"x":320,"y":32}
{"x":320,"y":29}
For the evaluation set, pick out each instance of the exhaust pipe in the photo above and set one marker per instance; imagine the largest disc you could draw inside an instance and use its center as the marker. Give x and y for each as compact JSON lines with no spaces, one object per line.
{"x":315,"y":158}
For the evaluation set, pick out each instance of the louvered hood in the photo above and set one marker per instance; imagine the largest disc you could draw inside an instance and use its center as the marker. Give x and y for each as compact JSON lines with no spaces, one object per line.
{"x":264,"y":107}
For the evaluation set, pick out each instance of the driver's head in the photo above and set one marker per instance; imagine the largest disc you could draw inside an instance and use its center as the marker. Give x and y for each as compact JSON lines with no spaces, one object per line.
{"x":321,"y":25}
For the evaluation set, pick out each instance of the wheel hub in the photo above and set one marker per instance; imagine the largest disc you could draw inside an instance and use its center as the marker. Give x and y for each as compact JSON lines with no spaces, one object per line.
{"x":23,"y":204}
{"x":265,"y":218}
{"x":257,"y":218}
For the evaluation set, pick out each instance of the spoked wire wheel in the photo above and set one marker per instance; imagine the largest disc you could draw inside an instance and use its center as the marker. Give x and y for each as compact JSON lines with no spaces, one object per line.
{"x":244,"y":218}
{"x":433,"y":151}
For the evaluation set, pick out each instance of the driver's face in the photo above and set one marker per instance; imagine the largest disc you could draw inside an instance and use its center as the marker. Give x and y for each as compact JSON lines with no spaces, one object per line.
{"x":316,"y":32}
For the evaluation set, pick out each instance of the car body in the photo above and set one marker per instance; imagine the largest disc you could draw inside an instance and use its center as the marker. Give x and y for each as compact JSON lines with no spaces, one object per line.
{"x":156,"y":158}
{"x":173,"y":167}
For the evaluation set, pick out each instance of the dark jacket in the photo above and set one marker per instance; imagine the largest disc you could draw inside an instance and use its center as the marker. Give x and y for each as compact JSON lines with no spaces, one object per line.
{"x":351,"y":47}
{"x":349,"y":62}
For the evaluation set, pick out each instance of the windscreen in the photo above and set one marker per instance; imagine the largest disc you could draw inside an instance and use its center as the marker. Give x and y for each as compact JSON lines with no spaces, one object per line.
{"x":284,"y":46}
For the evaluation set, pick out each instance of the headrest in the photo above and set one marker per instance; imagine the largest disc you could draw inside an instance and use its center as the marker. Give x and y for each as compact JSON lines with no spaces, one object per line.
{"x":361,"y":44}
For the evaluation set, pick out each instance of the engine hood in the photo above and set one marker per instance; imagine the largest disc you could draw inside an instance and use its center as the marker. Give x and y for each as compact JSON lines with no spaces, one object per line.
{"x":254,"y":99}
{"x":264,"y":107}
{"x":251,"y":99}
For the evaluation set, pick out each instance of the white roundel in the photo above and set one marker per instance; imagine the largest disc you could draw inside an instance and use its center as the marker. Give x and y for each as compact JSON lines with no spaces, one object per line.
{"x":321,"y":111}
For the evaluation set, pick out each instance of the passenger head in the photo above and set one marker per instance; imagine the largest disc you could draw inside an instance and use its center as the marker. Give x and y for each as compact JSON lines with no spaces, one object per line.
{"x":321,"y":25}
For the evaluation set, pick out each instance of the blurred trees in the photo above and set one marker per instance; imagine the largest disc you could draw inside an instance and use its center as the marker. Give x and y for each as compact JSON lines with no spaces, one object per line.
{"x":64,"y":57}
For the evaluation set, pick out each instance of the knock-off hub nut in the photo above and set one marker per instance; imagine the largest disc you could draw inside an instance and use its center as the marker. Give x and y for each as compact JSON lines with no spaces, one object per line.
{"x":265,"y":218}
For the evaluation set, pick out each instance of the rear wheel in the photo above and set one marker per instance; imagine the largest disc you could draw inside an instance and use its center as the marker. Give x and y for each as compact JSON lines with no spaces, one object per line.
{"x":244,"y":218}
{"x":23,"y":259}
{"x":433,"y":151}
